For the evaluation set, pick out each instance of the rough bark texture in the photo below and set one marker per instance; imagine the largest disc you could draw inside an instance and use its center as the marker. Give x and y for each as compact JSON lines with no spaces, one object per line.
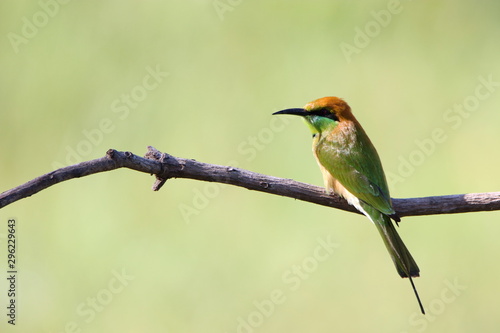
{"x":165,"y":166}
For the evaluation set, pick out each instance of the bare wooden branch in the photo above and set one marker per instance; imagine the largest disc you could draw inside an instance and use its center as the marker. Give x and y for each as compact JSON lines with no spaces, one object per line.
{"x":165,"y":166}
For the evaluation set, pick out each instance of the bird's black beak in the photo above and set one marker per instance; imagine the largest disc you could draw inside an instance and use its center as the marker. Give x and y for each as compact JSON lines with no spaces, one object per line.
{"x":296,"y":111}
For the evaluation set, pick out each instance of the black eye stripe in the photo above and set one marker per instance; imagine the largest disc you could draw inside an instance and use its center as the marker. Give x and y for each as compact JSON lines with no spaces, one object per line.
{"x":325,"y":113}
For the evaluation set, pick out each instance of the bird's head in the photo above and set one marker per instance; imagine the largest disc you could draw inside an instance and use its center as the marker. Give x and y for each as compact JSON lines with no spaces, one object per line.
{"x":323,"y":114}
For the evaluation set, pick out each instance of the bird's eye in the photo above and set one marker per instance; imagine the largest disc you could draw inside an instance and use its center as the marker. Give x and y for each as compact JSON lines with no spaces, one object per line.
{"x":325,"y":113}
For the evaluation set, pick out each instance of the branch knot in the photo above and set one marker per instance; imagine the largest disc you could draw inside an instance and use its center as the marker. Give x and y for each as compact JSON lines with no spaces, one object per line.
{"x":165,"y":166}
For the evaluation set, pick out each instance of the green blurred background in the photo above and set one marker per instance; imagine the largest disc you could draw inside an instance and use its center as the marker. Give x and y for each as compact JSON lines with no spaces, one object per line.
{"x":76,"y":80}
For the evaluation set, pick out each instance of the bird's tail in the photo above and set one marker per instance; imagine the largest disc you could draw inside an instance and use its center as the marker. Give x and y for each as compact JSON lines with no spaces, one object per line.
{"x":404,"y":262}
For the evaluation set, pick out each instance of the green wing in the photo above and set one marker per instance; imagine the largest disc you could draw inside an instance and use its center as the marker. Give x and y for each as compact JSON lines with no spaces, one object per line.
{"x":357,"y":167}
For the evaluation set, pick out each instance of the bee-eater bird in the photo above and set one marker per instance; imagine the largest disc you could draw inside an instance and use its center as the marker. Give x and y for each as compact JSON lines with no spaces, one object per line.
{"x":351,"y":168}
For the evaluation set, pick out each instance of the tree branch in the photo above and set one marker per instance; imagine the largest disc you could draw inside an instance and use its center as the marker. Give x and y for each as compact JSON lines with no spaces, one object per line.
{"x":165,"y":166}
